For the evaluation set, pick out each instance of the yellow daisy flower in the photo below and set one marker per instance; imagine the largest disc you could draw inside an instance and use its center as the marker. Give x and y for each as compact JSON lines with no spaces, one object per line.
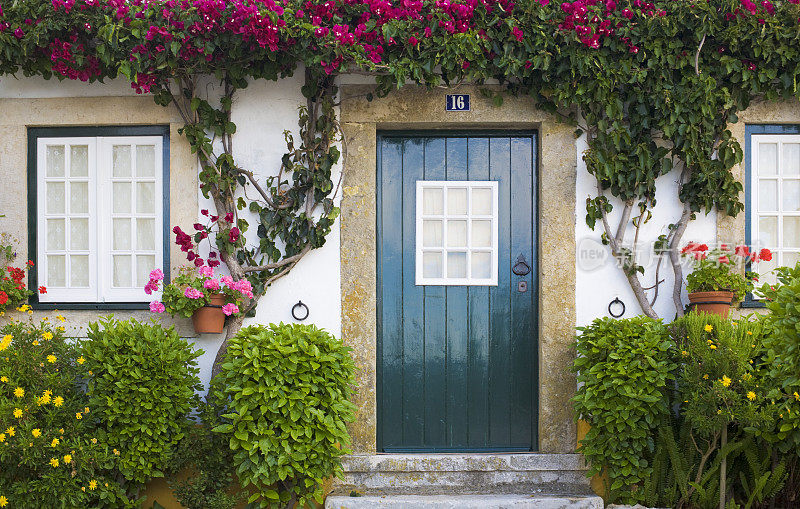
{"x":685,"y":353}
{"x":705,"y":377}
{"x":79,"y":415}
{"x":116,"y":452}
{"x":36,"y":433}
{"x":60,"y":329}
{"x":58,"y":401}
{"x":749,"y":333}
{"x":2,"y":437}
{"x":19,"y":392}
{"x":796,"y":396}
{"x":94,"y":440}
{"x":47,"y":335}
{"x":17,"y":413}
{"x":708,"y":327}
{"x":92,"y":484}
{"x":53,"y":462}
{"x":60,"y":318}
{"x":3,"y":501}
{"x":51,"y":359}
{"x":725,"y":381}
{"x":67,"y":458}
{"x":61,"y":431}
{"x":5,"y":342}
{"x":35,"y":343}
{"x":55,"y":442}
{"x":4,"y":379}
{"x":81,"y":360}
{"x":713,"y":347}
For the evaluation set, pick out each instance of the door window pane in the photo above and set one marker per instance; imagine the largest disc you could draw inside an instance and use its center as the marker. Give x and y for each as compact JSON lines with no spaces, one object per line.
{"x":433,"y":201}
{"x":457,"y":265}
{"x":791,"y":231}
{"x":79,"y":197}
{"x":55,"y":161}
{"x":790,"y":259}
{"x":55,"y":197}
{"x":457,"y":201}
{"x":121,"y":161}
{"x":146,"y":234}
{"x":56,"y":233}
{"x":144,"y":264}
{"x":767,"y":195}
{"x":79,"y":270}
{"x":482,"y":201}
{"x":791,"y":195}
{"x":56,"y":271}
{"x":79,"y":161}
{"x":768,"y":158}
{"x":481,"y":265}
{"x":145,"y":197}
{"x":431,"y":233}
{"x":768,"y":231}
{"x":122,"y":271}
{"x":432,"y":265}
{"x":145,"y":161}
{"x":121,"y":197}
{"x":481,"y":233}
{"x":457,"y":234}
{"x":122,"y":234}
{"x":791,"y":159}
{"x":79,"y":234}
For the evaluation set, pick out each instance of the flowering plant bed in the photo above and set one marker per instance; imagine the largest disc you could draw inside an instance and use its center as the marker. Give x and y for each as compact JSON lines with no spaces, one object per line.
{"x":191,"y":291}
{"x":720,"y":270}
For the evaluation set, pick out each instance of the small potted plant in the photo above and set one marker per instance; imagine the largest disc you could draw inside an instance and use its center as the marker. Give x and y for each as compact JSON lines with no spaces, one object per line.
{"x":207,"y":300}
{"x":717,"y":281}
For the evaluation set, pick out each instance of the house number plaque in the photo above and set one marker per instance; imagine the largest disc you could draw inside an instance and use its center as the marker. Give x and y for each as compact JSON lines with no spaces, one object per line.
{"x":457,"y":102}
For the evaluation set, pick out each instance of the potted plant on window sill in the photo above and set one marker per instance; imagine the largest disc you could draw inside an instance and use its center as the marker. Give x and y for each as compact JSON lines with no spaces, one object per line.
{"x":718,"y":280}
{"x":207,"y":300}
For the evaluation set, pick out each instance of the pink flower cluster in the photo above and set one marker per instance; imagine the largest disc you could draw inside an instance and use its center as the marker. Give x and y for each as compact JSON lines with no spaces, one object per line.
{"x":156,"y":275}
{"x":193,"y":293}
{"x":591,"y":19}
{"x":63,"y":57}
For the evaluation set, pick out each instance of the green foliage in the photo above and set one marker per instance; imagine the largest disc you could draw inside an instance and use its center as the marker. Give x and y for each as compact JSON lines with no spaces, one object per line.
{"x":142,"y":390}
{"x":624,"y":368}
{"x":287,"y":389}
{"x":50,"y":455}
{"x":209,"y":461}
{"x":759,"y":478}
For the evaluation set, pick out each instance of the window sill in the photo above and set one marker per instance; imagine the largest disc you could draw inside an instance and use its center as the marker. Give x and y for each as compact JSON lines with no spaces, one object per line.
{"x":752,"y":304}
{"x":97,"y":306}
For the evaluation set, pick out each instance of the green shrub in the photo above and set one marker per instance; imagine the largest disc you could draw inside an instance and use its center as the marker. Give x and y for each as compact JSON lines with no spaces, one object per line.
{"x":50,"y":455}
{"x":624,"y":368}
{"x":143,"y":391}
{"x":287,"y":388}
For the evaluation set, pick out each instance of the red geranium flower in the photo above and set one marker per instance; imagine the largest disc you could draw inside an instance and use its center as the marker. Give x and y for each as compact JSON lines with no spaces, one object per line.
{"x":743,"y":251}
{"x":42,"y":289}
{"x":765,"y":254}
{"x":3,"y":297}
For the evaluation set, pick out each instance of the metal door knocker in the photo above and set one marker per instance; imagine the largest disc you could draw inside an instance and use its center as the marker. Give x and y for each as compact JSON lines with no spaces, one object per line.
{"x":521,"y":268}
{"x":616,"y":302}
{"x":301,"y":306}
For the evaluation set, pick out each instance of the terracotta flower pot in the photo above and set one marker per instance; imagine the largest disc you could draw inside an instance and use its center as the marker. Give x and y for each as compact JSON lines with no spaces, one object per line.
{"x":717,"y":303}
{"x":210,"y":319}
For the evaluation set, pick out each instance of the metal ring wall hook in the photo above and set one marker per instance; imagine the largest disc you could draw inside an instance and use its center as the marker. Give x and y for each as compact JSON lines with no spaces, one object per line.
{"x":612,"y":303}
{"x":521,"y":268}
{"x":301,"y":306}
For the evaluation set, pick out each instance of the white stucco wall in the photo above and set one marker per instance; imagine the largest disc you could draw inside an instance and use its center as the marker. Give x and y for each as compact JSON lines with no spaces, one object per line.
{"x":600,"y":280}
{"x":261,"y":112}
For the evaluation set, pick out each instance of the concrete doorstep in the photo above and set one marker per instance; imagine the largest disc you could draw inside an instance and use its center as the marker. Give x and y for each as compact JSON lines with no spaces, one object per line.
{"x":497,"y":501}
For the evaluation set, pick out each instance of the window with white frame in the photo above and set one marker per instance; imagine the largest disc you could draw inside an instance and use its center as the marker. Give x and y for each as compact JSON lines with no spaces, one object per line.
{"x":456,"y":237}
{"x":775,"y":199}
{"x":99,"y":217}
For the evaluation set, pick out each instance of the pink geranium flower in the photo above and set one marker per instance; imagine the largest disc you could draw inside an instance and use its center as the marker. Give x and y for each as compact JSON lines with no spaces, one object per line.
{"x":156,"y":275}
{"x":206,"y":271}
{"x":230,"y":309}
{"x":157,"y":307}
{"x":193,"y":293}
{"x":211,"y":284}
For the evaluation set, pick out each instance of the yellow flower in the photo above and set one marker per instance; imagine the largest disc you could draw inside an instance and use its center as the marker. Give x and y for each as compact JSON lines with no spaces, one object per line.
{"x":92,"y":484}
{"x":796,"y":396}
{"x":725,"y":381}
{"x":705,"y":377}
{"x":749,"y":333}
{"x":51,"y":359}
{"x":94,"y":440}
{"x":81,"y":360}
{"x":78,"y":415}
{"x":36,"y":433}
{"x":61,"y":431}
{"x":86,"y":409}
{"x":17,"y":413}
{"x":35,"y":343}
{"x":5,"y":342}
{"x":55,"y":442}
{"x":47,"y":335}
{"x":67,"y":458}
{"x":116,"y":452}
{"x":58,"y":401}
{"x":23,"y":308}
{"x":3,"y":501}
{"x":708,"y":327}
{"x":60,"y":328}
{"x":713,"y":347}
{"x":685,"y":353}
{"x":60,"y":318}
{"x":53,"y":462}
{"x":19,"y":392}
{"x":3,"y":379}
{"x":2,"y":437}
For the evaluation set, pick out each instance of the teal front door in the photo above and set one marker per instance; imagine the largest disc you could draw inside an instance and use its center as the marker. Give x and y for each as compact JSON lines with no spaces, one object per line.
{"x":457,"y":292}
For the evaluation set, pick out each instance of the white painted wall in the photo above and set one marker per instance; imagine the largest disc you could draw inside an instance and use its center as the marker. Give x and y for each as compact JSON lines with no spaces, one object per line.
{"x":599,"y":280}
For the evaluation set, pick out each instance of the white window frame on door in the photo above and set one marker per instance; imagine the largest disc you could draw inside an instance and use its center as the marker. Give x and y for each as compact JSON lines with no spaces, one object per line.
{"x":421,"y":216}
{"x":756,"y":177}
{"x":101,"y":217}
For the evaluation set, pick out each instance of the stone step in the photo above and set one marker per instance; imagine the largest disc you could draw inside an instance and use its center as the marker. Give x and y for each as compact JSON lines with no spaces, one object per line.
{"x":491,"y":501}
{"x":464,"y":473}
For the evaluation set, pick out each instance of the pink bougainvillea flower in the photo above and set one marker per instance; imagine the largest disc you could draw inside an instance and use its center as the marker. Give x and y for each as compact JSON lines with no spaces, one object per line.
{"x":229,"y":217}
{"x":233,"y":235}
{"x":193,"y":293}
{"x":157,"y":307}
{"x":211,"y":284}
{"x":230,"y":309}
{"x":517,"y":33}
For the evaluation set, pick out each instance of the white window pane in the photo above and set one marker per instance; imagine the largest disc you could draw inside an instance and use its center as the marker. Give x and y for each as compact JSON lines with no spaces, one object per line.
{"x":79,"y":161}
{"x":56,"y":233}
{"x":457,"y":265}
{"x":54,"y":161}
{"x":457,"y":201}
{"x":767,"y":159}
{"x":79,"y":197}
{"x":767,"y":195}
{"x":121,"y":161}
{"x":431,"y":233}
{"x":145,"y":197}
{"x":144,"y":264}
{"x":122,"y":276}
{"x":791,"y":231}
{"x":122,"y":234}
{"x":145,"y":234}
{"x":482,"y":233}
{"x":121,"y":195}
{"x":56,"y":271}
{"x":79,"y":234}
{"x":432,"y":201}
{"x":55,"y":197}
{"x":791,"y":259}
{"x":145,"y":161}
{"x":482,"y":201}
{"x":481,"y":265}
{"x":791,"y":159}
{"x":764,"y":270}
{"x":791,"y":195}
{"x":457,"y":233}
{"x":432,"y":265}
{"x":79,"y":271}
{"x":768,"y":232}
